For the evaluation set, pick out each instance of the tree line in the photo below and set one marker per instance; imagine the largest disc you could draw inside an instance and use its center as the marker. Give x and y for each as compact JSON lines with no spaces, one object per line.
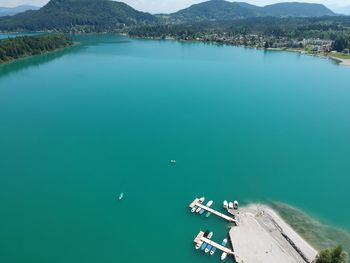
{"x":336,"y":29}
{"x":18,"y":47}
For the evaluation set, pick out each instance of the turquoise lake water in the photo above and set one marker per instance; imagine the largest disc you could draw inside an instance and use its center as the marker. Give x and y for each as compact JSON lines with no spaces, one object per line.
{"x":79,"y":126}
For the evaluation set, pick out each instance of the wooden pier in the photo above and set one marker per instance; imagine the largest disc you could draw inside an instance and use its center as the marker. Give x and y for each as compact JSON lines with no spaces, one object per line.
{"x":200,"y":238}
{"x":197,"y":203}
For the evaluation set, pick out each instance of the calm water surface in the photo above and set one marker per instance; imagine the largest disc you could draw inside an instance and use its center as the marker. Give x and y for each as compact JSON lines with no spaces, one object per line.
{"x":79,"y":126}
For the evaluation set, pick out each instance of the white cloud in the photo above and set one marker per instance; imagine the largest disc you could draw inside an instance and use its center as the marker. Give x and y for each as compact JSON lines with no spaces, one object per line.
{"x":166,"y":6}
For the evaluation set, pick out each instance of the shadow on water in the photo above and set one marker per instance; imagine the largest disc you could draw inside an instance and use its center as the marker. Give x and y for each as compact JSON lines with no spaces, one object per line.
{"x":34,"y":61}
{"x":83,"y":42}
{"x":318,"y":234}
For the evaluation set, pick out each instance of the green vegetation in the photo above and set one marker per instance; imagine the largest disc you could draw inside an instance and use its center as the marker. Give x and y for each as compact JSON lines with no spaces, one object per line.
{"x":110,"y":16}
{"x":77,"y":15}
{"x":340,"y":55}
{"x":263,"y":32}
{"x":332,"y":255}
{"x":15,"y":48}
{"x":309,"y":27}
{"x":298,"y":28}
{"x":224,"y":10}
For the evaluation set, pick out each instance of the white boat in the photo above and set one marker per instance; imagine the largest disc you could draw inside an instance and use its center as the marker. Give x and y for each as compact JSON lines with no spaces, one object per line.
{"x":173,"y":161}
{"x":210,"y":235}
{"x":235,"y":204}
{"x":225,"y":204}
{"x":223,"y":256}
{"x":224,"y":242}
{"x":208,"y":248}
{"x":230,"y":205}
{"x":198,"y":245}
{"x":121,"y":196}
{"x":201,"y":200}
{"x":209,"y":203}
{"x":198,"y":209}
{"x":194,"y":209}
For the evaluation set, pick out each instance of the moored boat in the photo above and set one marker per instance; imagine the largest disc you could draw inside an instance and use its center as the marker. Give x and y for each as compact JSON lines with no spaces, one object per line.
{"x":198,"y":209}
{"x":201,"y":200}
{"x":223,"y":256}
{"x":207,"y":214}
{"x":235,"y":204}
{"x":203,"y":246}
{"x":194,"y":209}
{"x":212,"y":251}
{"x":210,"y":235}
{"x":198,"y":245}
{"x":201,"y":211}
{"x":230,"y":205}
{"x":225,"y":204}
{"x":208,"y":248}
{"x":224,"y":242}
{"x":209,"y":203}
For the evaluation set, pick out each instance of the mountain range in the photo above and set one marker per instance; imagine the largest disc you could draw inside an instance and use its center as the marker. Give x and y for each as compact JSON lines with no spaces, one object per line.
{"x":104,"y":15}
{"x":224,"y":10}
{"x":10,"y":11}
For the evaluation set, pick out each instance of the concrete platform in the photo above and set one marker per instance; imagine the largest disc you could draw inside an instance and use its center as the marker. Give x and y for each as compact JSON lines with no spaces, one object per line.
{"x":260,"y":237}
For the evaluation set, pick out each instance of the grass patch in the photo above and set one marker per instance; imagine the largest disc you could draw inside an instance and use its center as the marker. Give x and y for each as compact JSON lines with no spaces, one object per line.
{"x":339,"y":55}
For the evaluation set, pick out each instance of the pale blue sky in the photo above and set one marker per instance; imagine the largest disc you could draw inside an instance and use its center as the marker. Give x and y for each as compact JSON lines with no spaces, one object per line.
{"x":159,"y":6}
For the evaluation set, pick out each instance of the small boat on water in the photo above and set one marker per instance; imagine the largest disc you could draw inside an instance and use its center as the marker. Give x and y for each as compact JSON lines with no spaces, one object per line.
{"x":230,"y":205}
{"x":208,"y":248}
{"x":194,"y":209}
{"x":223,"y":256}
{"x":225,"y":204}
{"x":201,"y":211}
{"x":172,"y":161}
{"x":212,"y":251}
{"x":224,"y":242}
{"x":198,"y":209}
{"x":235,"y":205}
{"x":121,"y":196}
{"x":203,"y":246}
{"x":201,"y":200}
{"x":198,"y":245}
{"x":210,"y":235}
{"x":209,"y":203}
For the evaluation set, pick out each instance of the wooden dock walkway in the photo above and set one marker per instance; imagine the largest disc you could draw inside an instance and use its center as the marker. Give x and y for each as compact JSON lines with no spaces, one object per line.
{"x":200,"y":238}
{"x":198,"y":204}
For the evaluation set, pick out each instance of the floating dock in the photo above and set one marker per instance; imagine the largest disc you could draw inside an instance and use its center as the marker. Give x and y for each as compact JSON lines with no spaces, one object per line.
{"x":200,"y":238}
{"x":197,"y":203}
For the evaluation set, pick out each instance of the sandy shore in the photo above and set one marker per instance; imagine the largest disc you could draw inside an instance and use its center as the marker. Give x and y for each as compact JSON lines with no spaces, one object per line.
{"x":344,"y":62}
{"x":263,"y":236}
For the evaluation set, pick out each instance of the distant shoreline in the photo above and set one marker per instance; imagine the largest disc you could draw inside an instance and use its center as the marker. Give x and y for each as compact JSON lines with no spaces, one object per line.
{"x":340,"y":61}
{"x":343,"y":62}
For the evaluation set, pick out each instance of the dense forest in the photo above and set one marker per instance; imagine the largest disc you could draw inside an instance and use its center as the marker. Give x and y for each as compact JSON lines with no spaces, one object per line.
{"x":14,"y":48}
{"x":227,"y":10}
{"x":85,"y":15}
{"x":336,"y":29}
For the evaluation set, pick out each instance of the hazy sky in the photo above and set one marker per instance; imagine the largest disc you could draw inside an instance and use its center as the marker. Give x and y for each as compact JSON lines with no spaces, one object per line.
{"x":158,"y":6}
